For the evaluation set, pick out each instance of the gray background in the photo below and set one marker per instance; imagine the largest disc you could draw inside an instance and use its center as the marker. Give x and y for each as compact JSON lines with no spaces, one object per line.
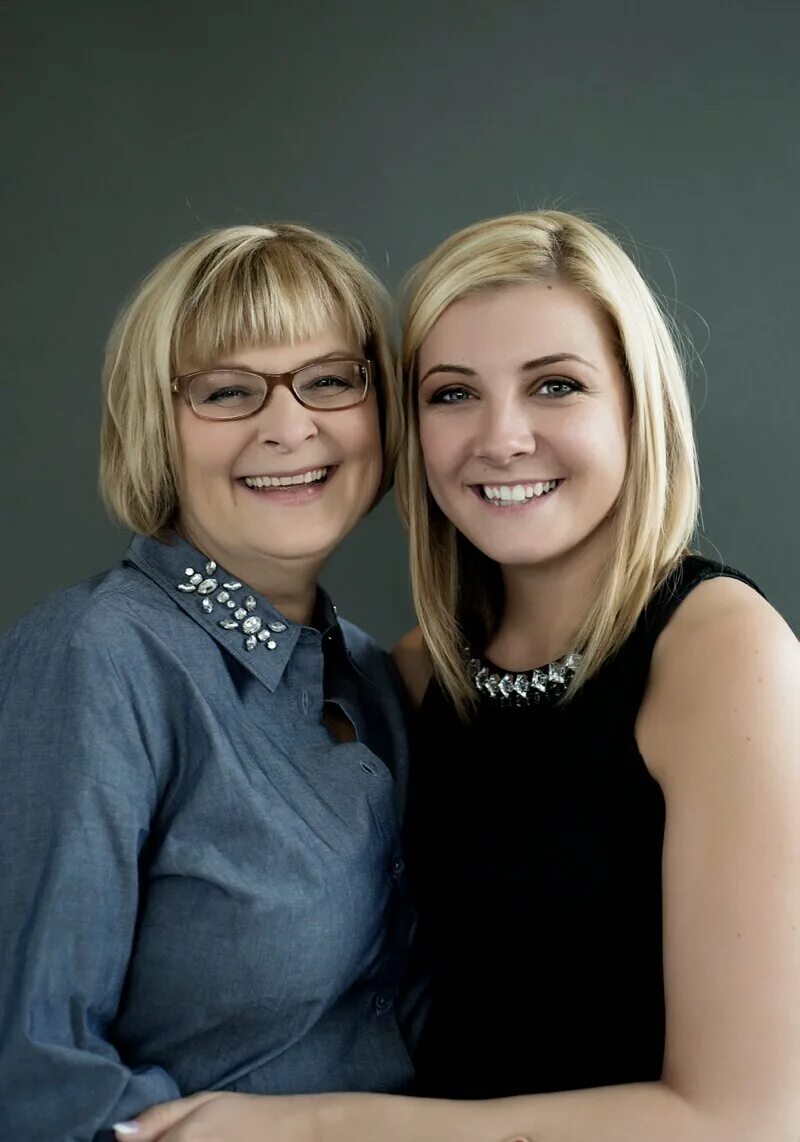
{"x":129,"y":127}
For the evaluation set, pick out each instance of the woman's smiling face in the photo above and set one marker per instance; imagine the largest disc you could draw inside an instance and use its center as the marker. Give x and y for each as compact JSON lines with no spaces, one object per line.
{"x":224,"y":507}
{"x":523,"y":413}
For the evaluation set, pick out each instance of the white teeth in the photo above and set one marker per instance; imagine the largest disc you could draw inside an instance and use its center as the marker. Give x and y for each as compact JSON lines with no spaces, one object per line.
{"x":516,"y":493}
{"x":286,"y":481}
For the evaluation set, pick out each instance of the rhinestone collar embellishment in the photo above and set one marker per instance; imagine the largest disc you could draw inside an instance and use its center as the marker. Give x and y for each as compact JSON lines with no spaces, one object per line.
{"x":520,"y":689}
{"x":239,"y":614}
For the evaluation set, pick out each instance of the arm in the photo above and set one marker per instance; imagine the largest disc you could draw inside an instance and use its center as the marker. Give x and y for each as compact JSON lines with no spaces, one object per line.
{"x":79,"y":793}
{"x":413,"y":663}
{"x":720,"y":730}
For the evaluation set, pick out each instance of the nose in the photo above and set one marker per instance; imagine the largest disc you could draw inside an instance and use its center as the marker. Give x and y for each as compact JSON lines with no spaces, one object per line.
{"x":283,"y":422}
{"x":505,"y":433}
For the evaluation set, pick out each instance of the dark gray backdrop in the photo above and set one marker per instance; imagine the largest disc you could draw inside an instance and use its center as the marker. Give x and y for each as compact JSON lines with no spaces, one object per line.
{"x":129,"y":127}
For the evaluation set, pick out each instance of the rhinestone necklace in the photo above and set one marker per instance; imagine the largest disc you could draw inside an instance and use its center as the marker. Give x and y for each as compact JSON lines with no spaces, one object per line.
{"x":521,"y":688}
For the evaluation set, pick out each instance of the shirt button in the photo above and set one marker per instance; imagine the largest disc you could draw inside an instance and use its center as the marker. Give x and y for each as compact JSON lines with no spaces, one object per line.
{"x":382,"y":1002}
{"x":397,"y":866}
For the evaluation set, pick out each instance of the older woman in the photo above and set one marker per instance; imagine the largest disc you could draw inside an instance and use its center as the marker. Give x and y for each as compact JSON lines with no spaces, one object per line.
{"x":607,"y":790}
{"x":198,"y":830}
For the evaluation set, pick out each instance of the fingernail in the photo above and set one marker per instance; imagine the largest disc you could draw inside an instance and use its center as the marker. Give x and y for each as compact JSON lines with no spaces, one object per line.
{"x":126,"y":1129}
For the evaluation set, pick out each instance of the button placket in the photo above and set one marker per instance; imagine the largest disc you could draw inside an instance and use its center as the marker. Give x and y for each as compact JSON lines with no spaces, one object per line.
{"x":382,"y":1002}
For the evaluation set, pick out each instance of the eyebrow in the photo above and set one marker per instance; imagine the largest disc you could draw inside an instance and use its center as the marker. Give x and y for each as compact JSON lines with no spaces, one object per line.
{"x":536,"y":363}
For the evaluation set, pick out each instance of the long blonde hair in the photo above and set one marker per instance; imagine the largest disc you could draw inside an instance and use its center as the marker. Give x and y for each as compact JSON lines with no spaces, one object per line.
{"x":457,"y":590}
{"x":231,"y":288}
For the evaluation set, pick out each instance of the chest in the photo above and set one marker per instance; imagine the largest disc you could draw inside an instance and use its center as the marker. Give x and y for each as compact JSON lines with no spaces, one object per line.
{"x":272,"y":845}
{"x":535,"y":816}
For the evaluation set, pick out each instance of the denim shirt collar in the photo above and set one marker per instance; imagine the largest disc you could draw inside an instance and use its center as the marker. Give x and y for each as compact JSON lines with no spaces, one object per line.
{"x":241,"y":620}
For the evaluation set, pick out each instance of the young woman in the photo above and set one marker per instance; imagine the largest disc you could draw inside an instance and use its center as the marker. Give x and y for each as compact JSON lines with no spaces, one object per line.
{"x":603,"y":821}
{"x":198,"y":831}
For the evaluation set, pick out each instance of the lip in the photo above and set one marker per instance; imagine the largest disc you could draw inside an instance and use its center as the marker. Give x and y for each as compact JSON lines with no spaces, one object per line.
{"x":514,"y":508}
{"x":513,"y":483}
{"x":291,"y":495}
{"x":296,"y":472}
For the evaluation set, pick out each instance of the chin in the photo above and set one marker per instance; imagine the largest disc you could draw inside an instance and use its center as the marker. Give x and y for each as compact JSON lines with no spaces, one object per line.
{"x":552,"y":552}
{"x":524,"y":557}
{"x":522,"y":551}
{"x":312,"y":547}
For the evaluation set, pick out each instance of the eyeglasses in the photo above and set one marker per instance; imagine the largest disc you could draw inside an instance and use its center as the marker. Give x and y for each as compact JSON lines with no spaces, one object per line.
{"x":231,"y":394}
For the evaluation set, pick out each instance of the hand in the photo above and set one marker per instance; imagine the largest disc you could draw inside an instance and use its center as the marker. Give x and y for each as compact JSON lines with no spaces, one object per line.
{"x":221,"y":1117}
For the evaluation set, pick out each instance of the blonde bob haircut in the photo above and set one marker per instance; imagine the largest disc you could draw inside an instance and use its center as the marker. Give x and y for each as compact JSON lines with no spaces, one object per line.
{"x":229,"y":289}
{"x":457,"y":590}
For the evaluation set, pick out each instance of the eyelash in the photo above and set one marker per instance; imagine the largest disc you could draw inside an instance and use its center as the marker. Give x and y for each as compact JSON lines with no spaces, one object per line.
{"x":441,"y":395}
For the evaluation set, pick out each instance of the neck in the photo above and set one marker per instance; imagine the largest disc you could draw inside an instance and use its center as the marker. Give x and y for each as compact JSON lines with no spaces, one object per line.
{"x":291,"y":590}
{"x":289,"y":585}
{"x":545,"y":606}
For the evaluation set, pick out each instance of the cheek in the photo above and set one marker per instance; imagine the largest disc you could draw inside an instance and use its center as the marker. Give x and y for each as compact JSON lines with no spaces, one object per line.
{"x":206,"y":450}
{"x":439,"y":446}
{"x":615,"y":448}
{"x":359,"y":437}
{"x":370,"y":434}
{"x":600,"y":446}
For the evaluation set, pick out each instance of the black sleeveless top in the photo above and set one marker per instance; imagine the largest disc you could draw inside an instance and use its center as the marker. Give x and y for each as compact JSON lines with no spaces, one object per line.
{"x":534,"y":839}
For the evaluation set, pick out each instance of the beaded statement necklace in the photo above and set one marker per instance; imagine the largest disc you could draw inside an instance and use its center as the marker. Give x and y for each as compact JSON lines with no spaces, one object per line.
{"x":521,"y":688}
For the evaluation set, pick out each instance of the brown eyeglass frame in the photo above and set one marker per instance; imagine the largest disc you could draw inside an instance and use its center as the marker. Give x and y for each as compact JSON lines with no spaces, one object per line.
{"x":180,"y":385}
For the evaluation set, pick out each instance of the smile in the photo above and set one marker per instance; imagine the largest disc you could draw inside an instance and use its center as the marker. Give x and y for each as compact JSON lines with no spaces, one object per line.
{"x":512,"y":495}
{"x":312,"y":476}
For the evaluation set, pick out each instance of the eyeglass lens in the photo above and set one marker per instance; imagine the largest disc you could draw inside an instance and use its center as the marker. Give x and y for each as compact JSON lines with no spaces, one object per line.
{"x":231,"y":393}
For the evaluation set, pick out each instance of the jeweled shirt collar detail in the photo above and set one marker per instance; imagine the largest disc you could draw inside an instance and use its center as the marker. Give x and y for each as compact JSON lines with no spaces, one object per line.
{"x":241,"y":620}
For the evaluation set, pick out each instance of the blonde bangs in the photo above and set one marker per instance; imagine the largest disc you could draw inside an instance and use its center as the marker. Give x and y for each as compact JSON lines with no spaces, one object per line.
{"x":465,"y":264}
{"x":263,"y":294}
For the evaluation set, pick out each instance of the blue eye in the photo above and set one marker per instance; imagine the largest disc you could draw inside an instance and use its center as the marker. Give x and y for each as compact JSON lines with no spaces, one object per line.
{"x":559,"y":387}
{"x":228,"y":395}
{"x":453,"y":395}
{"x":330,"y":381}
{"x":225,"y":389}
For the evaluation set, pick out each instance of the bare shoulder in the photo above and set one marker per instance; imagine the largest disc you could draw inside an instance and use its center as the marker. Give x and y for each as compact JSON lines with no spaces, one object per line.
{"x":726,"y":667}
{"x":727,"y":620}
{"x":413,"y":661}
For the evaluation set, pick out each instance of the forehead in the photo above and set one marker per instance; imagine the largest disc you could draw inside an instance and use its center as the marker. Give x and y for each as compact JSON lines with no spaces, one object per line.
{"x":281,"y":358}
{"x":519,"y":323}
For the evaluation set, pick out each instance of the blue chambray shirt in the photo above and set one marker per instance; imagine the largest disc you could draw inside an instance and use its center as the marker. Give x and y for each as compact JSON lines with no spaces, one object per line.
{"x":201,"y":887}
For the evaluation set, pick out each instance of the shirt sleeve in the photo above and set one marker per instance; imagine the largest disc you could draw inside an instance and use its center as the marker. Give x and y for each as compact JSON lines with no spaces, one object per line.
{"x":79,"y":791}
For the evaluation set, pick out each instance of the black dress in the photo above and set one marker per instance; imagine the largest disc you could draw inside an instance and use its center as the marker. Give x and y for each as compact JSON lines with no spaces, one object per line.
{"x":535,"y":838}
